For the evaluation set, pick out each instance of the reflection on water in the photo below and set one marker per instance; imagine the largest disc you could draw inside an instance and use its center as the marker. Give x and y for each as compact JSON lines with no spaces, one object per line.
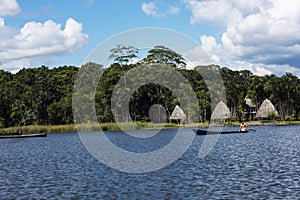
{"x":261,"y":165}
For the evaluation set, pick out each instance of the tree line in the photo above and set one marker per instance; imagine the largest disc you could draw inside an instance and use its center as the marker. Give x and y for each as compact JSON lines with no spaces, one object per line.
{"x":43,"y":96}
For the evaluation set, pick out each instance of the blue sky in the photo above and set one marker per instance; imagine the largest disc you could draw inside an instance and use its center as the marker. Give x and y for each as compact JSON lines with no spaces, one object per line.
{"x":258,"y":35}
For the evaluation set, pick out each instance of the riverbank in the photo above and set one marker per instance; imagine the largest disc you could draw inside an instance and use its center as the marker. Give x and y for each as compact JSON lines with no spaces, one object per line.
{"x":130,"y":126}
{"x":70,"y":128}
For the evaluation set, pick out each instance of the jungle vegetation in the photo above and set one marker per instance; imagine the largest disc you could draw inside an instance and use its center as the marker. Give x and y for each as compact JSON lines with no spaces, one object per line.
{"x":43,"y":96}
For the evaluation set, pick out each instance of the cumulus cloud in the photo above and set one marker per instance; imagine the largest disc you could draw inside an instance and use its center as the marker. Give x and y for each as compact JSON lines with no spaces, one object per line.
{"x":212,"y":11}
{"x":195,"y":57}
{"x":35,"y":40}
{"x":262,"y":33}
{"x":152,"y":9}
{"x":15,"y":65}
{"x":149,"y":9}
{"x":41,"y":39}
{"x":9,"y":7}
{"x":173,"y":10}
{"x":1,"y":22}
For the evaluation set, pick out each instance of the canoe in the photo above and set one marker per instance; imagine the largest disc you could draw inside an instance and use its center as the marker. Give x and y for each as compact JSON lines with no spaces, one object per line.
{"x":23,"y":135}
{"x":206,"y":132}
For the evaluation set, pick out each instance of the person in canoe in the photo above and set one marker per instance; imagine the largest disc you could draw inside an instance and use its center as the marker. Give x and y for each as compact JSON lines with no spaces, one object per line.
{"x":243,"y":127}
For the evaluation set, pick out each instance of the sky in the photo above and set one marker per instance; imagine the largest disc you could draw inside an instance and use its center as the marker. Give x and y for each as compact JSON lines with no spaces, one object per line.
{"x":257,"y":35}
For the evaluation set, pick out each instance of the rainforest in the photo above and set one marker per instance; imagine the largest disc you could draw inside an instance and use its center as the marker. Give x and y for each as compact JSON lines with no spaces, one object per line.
{"x":43,"y":96}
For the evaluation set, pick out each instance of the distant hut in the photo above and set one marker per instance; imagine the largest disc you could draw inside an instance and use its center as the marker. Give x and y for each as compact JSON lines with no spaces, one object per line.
{"x":250,"y":108}
{"x":177,"y":114}
{"x":249,"y":103}
{"x":221,"y":111}
{"x":265,"y":109}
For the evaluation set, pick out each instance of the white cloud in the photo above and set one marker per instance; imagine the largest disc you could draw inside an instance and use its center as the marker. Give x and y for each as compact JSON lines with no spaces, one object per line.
{"x":173,"y":10}
{"x":262,"y":69}
{"x":196,"y":57}
{"x":35,"y":40}
{"x":285,"y":10}
{"x":262,"y":33}
{"x":151,"y":9}
{"x":41,"y":39}
{"x":9,"y":7}
{"x":2,"y":22}
{"x":209,"y":44}
{"x":16,"y":65}
{"x":218,"y":11}
{"x":5,"y":32}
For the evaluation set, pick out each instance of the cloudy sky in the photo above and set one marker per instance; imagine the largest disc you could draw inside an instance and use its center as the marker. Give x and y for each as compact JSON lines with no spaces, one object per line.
{"x":259,"y":35}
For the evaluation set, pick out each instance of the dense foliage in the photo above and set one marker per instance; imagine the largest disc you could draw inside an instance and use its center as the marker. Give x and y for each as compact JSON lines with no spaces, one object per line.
{"x":43,"y":96}
{"x":37,"y":96}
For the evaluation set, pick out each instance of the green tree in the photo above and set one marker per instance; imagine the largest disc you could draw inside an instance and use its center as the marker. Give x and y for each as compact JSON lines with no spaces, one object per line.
{"x":164,"y":55}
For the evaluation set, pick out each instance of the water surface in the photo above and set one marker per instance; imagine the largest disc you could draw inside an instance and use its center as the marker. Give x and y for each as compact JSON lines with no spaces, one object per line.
{"x":259,"y":165}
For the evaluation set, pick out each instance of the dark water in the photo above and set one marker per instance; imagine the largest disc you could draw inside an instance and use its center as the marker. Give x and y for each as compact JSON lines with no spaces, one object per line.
{"x":260,"y":165}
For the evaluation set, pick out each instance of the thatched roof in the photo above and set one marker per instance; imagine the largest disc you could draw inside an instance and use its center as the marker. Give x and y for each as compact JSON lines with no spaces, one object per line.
{"x":249,"y":103}
{"x":221,"y":111}
{"x":178,"y":113}
{"x":265,"y":109}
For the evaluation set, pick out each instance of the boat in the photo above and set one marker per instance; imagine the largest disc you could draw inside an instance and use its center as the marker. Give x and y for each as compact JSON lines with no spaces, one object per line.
{"x":208,"y":132}
{"x":6,"y":136}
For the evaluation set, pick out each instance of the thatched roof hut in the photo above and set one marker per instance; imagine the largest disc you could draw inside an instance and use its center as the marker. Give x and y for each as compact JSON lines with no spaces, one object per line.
{"x":178,"y":113}
{"x":221,"y":111}
{"x":265,"y":109}
{"x":249,"y":103}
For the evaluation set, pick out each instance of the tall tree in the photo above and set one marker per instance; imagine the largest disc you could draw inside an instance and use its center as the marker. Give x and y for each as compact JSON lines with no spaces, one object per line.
{"x":164,"y":55}
{"x":123,"y":54}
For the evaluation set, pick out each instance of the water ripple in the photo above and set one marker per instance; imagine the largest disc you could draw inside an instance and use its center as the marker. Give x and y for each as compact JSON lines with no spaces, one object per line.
{"x":260,"y":165}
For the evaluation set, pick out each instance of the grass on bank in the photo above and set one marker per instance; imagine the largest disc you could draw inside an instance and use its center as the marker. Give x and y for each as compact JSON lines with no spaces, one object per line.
{"x":126,"y":126}
{"x":86,"y":127}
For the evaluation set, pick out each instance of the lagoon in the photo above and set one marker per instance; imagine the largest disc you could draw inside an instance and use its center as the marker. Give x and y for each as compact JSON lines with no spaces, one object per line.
{"x":259,"y":165}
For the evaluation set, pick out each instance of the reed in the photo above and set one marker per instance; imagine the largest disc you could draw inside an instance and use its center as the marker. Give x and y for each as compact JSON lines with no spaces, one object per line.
{"x":41,"y":128}
{"x":125,"y":126}
{"x":90,"y":127}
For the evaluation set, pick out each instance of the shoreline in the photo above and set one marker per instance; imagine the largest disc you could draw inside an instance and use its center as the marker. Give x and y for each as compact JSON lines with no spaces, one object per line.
{"x":131,"y":126}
